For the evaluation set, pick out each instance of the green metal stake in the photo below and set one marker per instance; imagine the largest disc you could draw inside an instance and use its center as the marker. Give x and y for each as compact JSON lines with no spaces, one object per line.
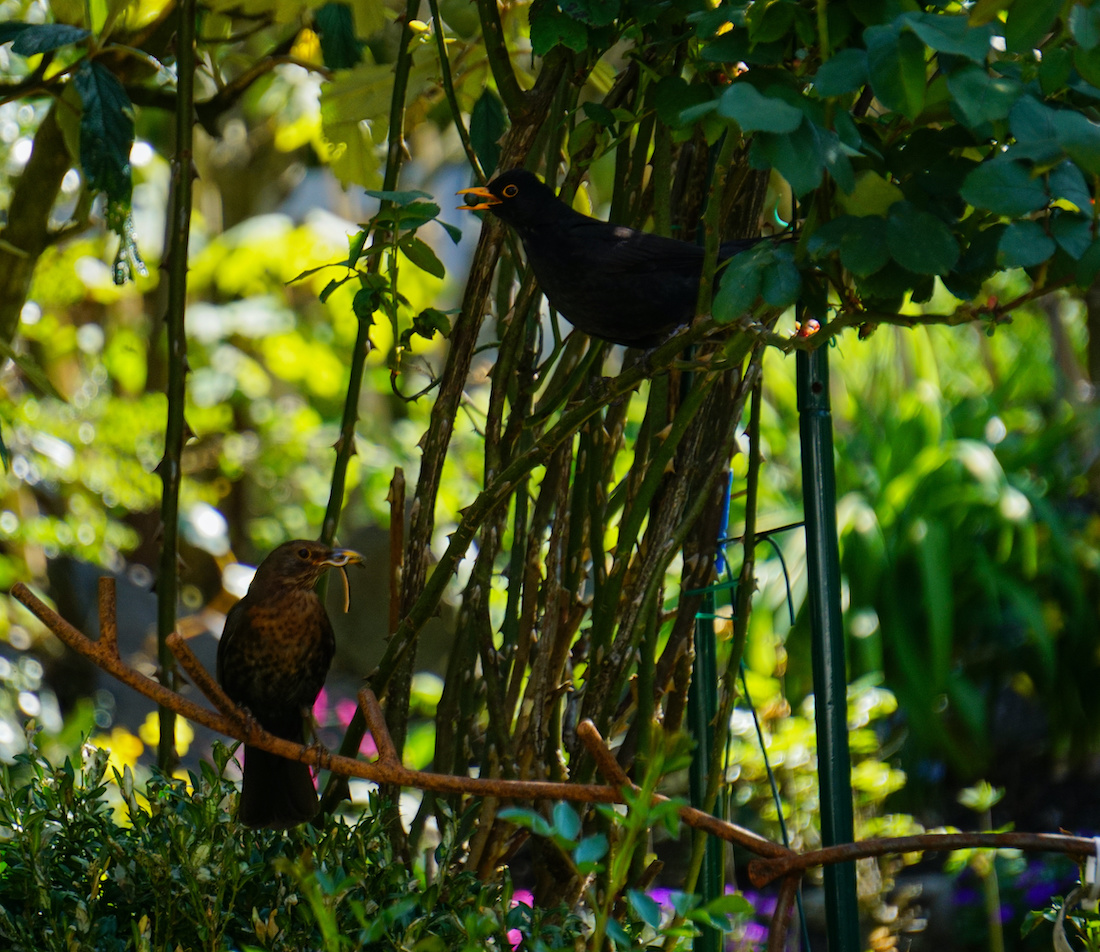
{"x":830,"y":677}
{"x":702,"y":706}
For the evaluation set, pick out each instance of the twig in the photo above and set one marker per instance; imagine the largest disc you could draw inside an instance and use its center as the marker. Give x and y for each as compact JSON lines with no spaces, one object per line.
{"x":171,"y":467}
{"x":778,"y":861}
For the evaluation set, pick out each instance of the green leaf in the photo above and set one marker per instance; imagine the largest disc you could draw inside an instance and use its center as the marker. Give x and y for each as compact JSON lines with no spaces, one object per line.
{"x":740,"y":285}
{"x":755,"y":112}
{"x":843,"y":73}
{"x":919,"y":241}
{"x":782,"y":281}
{"x":566,"y":821}
{"x":1089,"y":265}
{"x":827,"y":238}
{"x":951,"y":34}
{"x":863,"y":245}
{"x":34,"y":373}
{"x":1087,"y":63}
{"x":618,"y":934}
{"x":335,"y":25}
{"x":733,"y":904}
{"x":980,"y":97}
{"x":422,"y":255}
{"x":416,"y":214}
{"x":1084,"y":24}
{"x":644,"y":907}
{"x":30,"y":39}
{"x":872,"y":195}
{"x":1004,"y":187}
{"x":770,"y":20}
{"x":896,"y":67}
{"x":355,"y":111}
{"x":797,"y":156}
{"x":592,"y":12}
{"x":1024,"y":244}
{"x":487,"y":125}
{"x":835,"y":159}
{"x":365,"y":303}
{"x":1028,"y":21}
{"x":1066,"y":181}
{"x":590,"y":850}
{"x":1054,"y":70}
{"x":528,"y":819}
{"x":427,"y":324}
{"x":406,"y":197}
{"x":673,"y":94}
{"x":106,"y":131}
{"x":1035,"y":129}
{"x":1072,"y":231}
{"x":550,"y":27}
{"x":1080,"y":137}
{"x":355,"y":246}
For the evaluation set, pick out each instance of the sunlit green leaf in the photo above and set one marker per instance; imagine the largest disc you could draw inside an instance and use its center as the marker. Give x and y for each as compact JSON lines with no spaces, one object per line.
{"x":421,"y":254}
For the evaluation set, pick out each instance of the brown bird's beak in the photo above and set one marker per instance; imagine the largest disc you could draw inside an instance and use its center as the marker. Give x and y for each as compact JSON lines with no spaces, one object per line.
{"x":342,"y":557}
{"x":488,"y":199}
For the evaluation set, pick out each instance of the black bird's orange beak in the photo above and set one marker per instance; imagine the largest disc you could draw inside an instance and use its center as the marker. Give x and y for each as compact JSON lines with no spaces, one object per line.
{"x":488,"y":199}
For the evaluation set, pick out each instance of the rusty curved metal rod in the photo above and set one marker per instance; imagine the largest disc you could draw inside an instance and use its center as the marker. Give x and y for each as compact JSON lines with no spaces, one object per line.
{"x":764,"y":871}
{"x":777,"y":861}
{"x":387,"y":769}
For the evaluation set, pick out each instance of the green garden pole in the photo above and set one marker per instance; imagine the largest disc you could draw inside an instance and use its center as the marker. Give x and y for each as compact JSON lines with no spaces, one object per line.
{"x":702,"y":707}
{"x":827,"y":635}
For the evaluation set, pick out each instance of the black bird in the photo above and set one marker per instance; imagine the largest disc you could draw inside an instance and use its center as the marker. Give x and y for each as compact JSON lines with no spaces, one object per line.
{"x":612,"y":282}
{"x":273,"y":656}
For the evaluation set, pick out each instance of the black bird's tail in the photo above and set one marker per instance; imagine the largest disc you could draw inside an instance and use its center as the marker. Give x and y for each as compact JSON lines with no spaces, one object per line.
{"x":275,"y":792}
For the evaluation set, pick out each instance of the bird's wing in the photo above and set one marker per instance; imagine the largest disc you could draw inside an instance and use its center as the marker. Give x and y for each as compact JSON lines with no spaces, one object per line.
{"x":615,"y":249}
{"x":235,"y":618}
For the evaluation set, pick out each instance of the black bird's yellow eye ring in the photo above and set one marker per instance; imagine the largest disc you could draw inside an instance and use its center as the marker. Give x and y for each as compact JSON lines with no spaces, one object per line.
{"x":303,"y":553}
{"x":510,"y":191}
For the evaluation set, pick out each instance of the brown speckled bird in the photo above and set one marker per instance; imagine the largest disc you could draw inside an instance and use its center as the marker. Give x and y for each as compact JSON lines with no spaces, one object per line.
{"x":273,"y":657}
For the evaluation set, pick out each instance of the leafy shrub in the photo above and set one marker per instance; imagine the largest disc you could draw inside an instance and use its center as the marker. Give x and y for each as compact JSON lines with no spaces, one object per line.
{"x":176,"y":872}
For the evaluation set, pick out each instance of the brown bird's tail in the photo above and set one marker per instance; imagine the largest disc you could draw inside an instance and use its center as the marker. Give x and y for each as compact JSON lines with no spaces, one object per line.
{"x":275,"y":792}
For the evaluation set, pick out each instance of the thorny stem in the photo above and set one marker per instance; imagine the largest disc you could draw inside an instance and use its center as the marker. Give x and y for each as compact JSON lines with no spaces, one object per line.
{"x":176,"y":426}
{"x":345,"y":445}
{"x":449,"y":92}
